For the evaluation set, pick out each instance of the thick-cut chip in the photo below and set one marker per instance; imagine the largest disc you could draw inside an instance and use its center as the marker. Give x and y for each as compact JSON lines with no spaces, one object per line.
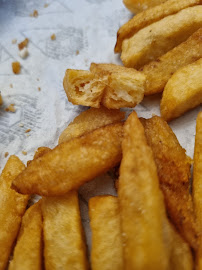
{"x":174,"y":172}
{"x":125,"y":86}
{"x":160,"y":71}
{"x":106,"y":253}
{"x":150,"y":16}
{"x":141,"y":202}
{"x":158,"y":38}
{"x":28,"y":250}
{"x":197,"y":184}
{"x":12,"y":207}
{"x":183,"y":91}
{"x":83,"y":88}
{"x":90,"y":120}
{"x":179,"y":251}
{"x":64,"y":244}
{"x":72,"y":163}
{"x":139,"y":5}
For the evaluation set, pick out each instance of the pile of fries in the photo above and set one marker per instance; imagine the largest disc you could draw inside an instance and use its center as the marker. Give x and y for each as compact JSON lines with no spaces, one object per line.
{"x":155,"y":222}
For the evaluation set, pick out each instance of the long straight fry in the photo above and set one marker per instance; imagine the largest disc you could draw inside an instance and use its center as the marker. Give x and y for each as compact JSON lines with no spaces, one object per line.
{"x":160,"y":37}
{"x":106,"y":253}
{"x":197,"y":184}
{"x":64,"y":245}
{"x":28,"y":250}
{"x":12,"y":208}
{"x":159,"y":72}
{"x":141,"y":202}
{"x":174,"y":172}
{"x":72,"y":163}
{"x":150,"y":16}
{"x":90,"y":120}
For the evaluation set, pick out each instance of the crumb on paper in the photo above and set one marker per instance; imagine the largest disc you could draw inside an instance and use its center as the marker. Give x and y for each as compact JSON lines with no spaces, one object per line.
{"x":27,"y":135}
{"x":77,"y":52}
{"x":28,"y":130}
{"x":37,"y":79}
{"x":24,"y":153}
{"x":34,"y":14}
{"x":46,"y":5}
{"x":6,"y":154}
{"x":11,"y":85}
{"x":11,"y":108}
{"x":1,"y":100}
{"x":23,"y":53}
{"x":23,"y":44}
{"x":21,"y":125}
{"x":14,"y":41}
{"x":16,"y":67}
{"x":53,"y":37}
{"x":39,"y":88}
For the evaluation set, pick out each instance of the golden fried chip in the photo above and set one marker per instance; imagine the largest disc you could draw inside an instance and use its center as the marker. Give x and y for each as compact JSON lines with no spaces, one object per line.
{"x":158,"y":38}
{"x":179,"y":251}
{"x":125,"y":86}
{"x":90,"y":120}
{"x":197,"y":184}
{"x":28,"y":250}
{"x":12,"y":207}
{"x":64,"y":245}
{"x":83,"y":88}
{"x":106,"y":252}
{"x":183,"y":91}
{"x":174,"y":172}
{"x":72,"y":163}
{"x":160,"y":71}
{"x":136,"y":6}
{"x":150,"y":16}
{"x":141,"y":202}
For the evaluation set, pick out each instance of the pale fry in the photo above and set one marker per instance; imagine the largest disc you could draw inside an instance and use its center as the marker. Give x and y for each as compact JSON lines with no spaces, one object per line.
{"x":174,"y":172}
{"x":141,"y":202}
{"x":183,"y":91}
{"x":136,"y":6}
{"x":197,"y":184}
{"x":158,"y":38}
{"x":106,"y":252}
{"x":12,"y":207}
{"x":160,"y":71}
{"x":72,"y":163}
{"x":150,"y":16}
{"x":179,"y":251}
{"x":125,"y":86}
{"x":64,"y":245}
{"x":90,"y":120}
{"x":28,"y":250}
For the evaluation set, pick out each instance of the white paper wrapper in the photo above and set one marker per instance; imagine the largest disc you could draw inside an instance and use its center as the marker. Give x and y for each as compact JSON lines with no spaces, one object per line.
{"x":85,"y":32}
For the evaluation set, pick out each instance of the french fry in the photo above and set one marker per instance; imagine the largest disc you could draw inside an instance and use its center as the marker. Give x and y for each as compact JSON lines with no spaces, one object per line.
{"x":183,"y":91}
{"x":39,"y":153}
{"x":158,"y":38}
{"x":197,"y":185}
{"x":136,"y":6}
{"x":83,"y":88}
{"x":90,"y":120}
{"x":64,"y":245}
{"x":141,"y":202}
{"x":28,"y":250}
{"x":174,"y":172}
{"x":71,"y":164}
{"x":150,"y":16}
{"x":160,"y":71}
{"x":12,"y":207}
{"x":106,"y":252}
{"x":125,"y":86}
{"x":179,"y":251}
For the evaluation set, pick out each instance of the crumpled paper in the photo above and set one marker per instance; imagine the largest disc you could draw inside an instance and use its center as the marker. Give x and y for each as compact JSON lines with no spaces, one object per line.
{"x":85,"y":32}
